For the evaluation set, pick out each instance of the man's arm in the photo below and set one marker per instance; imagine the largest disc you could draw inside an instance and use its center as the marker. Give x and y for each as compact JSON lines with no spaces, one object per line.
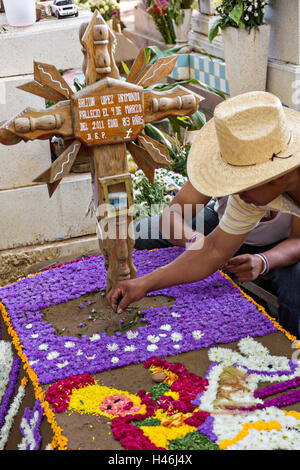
{"x":203,"y":258}
{"x":248,"y":267}
{"x":174,"y":221}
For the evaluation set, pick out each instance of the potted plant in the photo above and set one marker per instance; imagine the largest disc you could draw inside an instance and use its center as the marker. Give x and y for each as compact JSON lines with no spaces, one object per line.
{"x":246,"y":43}
{"x":159,"y":11}
{"x":172,"y":18}
{"x":181,"y":14}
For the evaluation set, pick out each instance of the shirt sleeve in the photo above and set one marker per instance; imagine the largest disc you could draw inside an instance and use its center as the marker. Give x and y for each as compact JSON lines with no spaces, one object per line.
{"x":240,"y":217}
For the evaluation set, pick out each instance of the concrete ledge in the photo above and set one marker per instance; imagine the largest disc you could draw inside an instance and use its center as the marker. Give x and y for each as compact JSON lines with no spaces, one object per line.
{"x":29,"y":217}
{"x":19,"y":262}
{"x":142,"y":40}
{"x":50,"y":40}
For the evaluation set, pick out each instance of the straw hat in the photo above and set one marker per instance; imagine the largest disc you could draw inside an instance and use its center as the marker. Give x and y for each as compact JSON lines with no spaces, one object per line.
{"x":251,"y":140}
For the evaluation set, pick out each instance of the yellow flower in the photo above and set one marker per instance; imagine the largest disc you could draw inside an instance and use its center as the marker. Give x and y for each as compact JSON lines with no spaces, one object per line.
{"x":224,"y":444}
{"x":274,"y":425}
{"x":293,"y":413}
{"x":260,"y":425}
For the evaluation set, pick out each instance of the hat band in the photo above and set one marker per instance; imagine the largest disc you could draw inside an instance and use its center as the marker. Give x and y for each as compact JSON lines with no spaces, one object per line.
{"x":272,"y":158}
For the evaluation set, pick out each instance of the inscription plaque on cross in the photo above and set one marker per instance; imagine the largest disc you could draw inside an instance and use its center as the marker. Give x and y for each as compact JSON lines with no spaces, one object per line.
{"x":106,"y":119}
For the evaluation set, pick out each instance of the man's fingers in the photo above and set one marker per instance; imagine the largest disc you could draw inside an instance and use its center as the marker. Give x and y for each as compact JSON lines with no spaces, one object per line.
{"x":237,"y":260}
{"x":241,"y":268}
{"x":123,"y":304}
{"x":114,"y":296}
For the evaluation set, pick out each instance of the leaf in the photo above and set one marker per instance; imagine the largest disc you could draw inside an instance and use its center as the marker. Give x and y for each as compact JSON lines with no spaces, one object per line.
{"x":214,"y":30}
{"x":236,"y":13}
{"x":126,"y":69}
{"x":199,"y":119}
{"x":175,"y":125}
{"x":169,"y":86}
{"x":148,"y":54}
{"x":163,"y":53}
{"x":160,"y":135}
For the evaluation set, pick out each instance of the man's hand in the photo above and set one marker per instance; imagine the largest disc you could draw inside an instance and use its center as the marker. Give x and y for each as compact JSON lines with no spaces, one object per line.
{"x":126,"y":292}
{"x":245,"y":267}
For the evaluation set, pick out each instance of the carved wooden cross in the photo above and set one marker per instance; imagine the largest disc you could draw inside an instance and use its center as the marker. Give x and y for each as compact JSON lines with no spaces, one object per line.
{"x":107,"y":118}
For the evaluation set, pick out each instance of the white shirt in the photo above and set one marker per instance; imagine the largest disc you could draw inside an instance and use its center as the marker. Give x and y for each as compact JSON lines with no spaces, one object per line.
{"x":239,"y":217}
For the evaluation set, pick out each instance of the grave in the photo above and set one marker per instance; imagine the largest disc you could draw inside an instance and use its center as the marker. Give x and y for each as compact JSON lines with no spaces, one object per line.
{"x":187,"y":368}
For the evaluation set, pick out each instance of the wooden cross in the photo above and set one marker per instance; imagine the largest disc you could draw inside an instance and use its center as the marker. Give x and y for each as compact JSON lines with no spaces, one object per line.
{"x":107,"y":118}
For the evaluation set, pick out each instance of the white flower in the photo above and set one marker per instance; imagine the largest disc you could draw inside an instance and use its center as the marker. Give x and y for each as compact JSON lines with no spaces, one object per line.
{"x":131,"y":334}
{"x":95,"y":337}
{"x":175,"y":315}
{"x":153,"y":339}
{"x":52,"y":355}
{"x":176,"y":346}
{"x":31,"y":363}
{"x":43,"y":347}
{"x":176,"y":337}
{"x":162,"y":335}
{"x":79,"y":353}
{"x":197,"y":334}
{"x":152,"y":347}
{"x":246,"y":17}
{"x":63,"y":364}
{"x":112,"y":347}
{"x":114,"y":360}
{"x":165,"y":327}
{"x":69,"y":344}
{"x":130,"y":348}
{"x":91,"y":357}
{"x":29,"y":326}
{"x":34,"y":336}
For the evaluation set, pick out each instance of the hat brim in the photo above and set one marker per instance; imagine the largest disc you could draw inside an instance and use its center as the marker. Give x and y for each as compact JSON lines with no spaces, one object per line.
{"x":214,"y":177}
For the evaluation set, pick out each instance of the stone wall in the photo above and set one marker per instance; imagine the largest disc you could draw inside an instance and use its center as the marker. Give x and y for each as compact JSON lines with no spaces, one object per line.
{"x":35,"y":228}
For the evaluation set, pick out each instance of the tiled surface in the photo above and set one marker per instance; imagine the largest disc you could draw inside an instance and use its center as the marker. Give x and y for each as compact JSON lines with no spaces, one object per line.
{"x":210,"y":71}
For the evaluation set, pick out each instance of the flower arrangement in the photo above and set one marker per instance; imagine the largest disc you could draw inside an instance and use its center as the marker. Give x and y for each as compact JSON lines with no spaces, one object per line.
{"x":107,"y":8}
{"x":238,"y":14}
{"x":159,"y":10}
{"x":164,"y":11}
{"x":177,"y":5}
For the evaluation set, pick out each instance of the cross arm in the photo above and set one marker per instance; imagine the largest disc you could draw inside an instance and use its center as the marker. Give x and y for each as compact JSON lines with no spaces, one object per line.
{"x":33,"y":124}
{"x":175,"y":102}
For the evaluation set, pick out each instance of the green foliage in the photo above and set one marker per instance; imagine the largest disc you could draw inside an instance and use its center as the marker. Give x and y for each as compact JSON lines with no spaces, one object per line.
{"x":158,"y":390}
{"x":238,"y":14}
{"x":149,"y":196}
{"x":176,"y":144}
{"x":193,"y":441}
{"x":147,"y":422}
